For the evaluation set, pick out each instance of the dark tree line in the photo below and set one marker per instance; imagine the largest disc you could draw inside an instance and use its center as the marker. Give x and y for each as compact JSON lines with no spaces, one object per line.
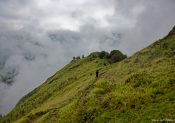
{"x":78,"y":57}
{"x":113,"y":56}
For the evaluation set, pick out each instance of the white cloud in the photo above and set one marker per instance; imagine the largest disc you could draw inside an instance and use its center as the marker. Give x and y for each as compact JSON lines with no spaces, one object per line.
{"x":65,"y":14}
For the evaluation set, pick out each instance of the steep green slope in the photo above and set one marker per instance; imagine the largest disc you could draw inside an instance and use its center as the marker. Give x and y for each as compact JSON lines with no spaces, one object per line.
{"x":139,"y":89}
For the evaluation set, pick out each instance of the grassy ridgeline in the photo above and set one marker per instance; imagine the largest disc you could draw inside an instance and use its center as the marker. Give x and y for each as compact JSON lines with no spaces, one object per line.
{"x":138,"y":89}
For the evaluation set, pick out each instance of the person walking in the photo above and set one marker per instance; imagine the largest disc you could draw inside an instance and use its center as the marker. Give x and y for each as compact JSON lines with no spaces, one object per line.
{"x":97,"y":73}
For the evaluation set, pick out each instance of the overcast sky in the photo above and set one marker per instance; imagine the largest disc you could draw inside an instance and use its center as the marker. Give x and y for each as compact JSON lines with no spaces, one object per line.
{"x":38,"y":37}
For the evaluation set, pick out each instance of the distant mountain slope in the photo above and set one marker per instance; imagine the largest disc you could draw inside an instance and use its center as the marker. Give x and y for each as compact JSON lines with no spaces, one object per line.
{"x":139,"y":89}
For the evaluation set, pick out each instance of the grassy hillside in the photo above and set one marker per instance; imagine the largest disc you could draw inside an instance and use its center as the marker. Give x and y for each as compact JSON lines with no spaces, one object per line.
{"x":138,"y":89}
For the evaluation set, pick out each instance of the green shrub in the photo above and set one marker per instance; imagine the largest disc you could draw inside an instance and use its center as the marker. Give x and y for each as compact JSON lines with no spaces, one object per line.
{"x":116,"y":56}
{"x":93,"y":56}
{"x":103,"y":55}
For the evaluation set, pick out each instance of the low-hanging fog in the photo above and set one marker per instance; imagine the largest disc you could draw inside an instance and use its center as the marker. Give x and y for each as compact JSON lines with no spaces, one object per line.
{"x":38,"y":37}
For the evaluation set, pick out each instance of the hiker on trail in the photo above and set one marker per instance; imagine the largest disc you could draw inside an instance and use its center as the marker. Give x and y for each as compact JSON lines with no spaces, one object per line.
{"x":97,"y":72}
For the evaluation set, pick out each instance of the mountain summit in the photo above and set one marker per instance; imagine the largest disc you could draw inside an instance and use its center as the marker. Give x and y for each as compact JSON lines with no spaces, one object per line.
{"x":138,"y":89}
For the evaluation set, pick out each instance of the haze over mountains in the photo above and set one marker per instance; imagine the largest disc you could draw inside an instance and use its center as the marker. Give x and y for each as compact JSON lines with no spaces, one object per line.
{"x":39,"y":37}
{"x":137,"y":89}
